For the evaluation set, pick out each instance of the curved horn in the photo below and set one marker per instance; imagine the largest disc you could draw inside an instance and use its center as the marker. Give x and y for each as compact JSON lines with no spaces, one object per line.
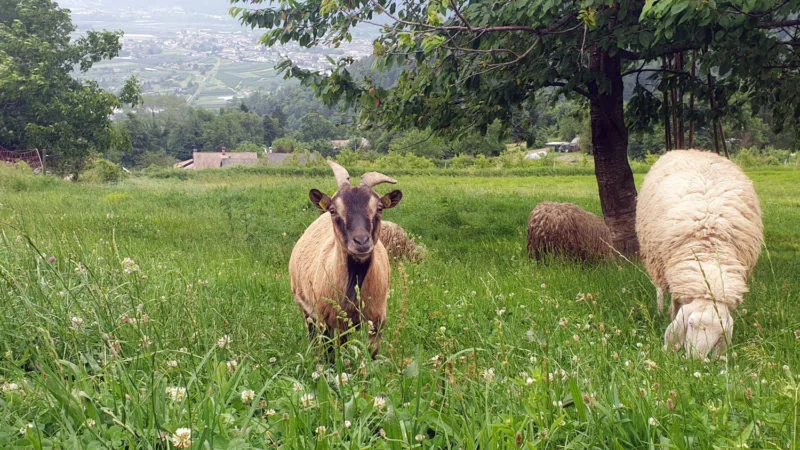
{"x":342,"y":177}
{"x":371,"y":179}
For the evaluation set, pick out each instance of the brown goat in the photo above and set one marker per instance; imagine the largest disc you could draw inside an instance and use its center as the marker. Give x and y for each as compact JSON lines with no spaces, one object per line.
{"x":567,"y":230}
{"x":339,"y":268}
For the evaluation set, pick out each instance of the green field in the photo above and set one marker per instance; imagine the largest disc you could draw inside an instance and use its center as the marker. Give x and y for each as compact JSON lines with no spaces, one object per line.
{"x":113,"y":299}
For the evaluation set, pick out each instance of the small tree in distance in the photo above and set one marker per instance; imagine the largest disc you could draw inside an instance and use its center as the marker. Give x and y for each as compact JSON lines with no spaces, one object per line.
{"x":467,"y":63}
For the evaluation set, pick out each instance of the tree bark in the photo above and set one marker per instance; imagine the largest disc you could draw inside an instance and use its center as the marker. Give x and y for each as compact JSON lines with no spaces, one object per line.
{"x":610,"y":141}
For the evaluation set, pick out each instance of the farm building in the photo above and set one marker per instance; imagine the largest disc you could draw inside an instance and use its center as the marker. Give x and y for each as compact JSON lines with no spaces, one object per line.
{"x":214,"y":160}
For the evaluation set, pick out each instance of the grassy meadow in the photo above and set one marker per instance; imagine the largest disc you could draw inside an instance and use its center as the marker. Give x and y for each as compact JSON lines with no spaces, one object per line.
{"x":157,"y":313}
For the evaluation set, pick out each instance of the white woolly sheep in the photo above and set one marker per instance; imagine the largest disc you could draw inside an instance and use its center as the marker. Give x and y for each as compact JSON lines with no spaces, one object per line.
{"x":567,"y":230}
{"x":398,"y":244}
{"x":339,"y":268}
{"x":699,"y":227}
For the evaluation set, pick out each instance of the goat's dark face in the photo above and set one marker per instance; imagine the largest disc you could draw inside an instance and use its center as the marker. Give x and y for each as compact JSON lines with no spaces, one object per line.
{"x":356,"y":215}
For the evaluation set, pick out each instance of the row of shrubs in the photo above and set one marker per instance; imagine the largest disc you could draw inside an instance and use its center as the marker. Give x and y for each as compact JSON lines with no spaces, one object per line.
{"x":510,"y":162}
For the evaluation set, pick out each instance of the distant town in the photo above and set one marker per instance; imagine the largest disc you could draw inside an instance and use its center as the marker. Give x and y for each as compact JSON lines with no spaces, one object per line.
{"x":208,"y":59}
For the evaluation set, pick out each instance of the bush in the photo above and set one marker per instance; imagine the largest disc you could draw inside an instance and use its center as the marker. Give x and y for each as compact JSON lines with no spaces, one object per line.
{"x":102,"y":171}
{"x":460,"y":161}
{"x":482,"y":162}
{"x":396,"y":160}
{"x":284,"y":145}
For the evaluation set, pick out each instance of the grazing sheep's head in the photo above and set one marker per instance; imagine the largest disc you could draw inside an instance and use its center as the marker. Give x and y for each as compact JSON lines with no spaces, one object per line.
{"x":356,"y":211}
{"x":701,"y":327}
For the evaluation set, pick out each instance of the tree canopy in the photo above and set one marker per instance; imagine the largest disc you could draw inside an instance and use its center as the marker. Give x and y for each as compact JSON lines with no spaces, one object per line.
{"x":467,"y":63}
{"x":41,"y":103}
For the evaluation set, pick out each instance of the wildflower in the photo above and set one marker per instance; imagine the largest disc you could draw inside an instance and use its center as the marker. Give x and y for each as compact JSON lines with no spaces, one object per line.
{"x":182,"y":438}
{"x":500,"y":311}
{"x":529,"y":381}
{"x":627,"y":363}
{"x":176,"y":394}
{"x":652,"y":421}
{"x":670,"y":404}
{"x":543,"y":286}
{"x":90,"y":422}
{"x":533,"y":360}
{"x":419,"y":438}
{"x":8,"y":387}
{"x":76,"y":322}
{"x":129,"y":266}
{"x":748,"y":394}
{"x":232,"y":365}
{"x":247,"y":395}
{"x":341,"y":379}
{"x":52,"y":259}
{"x":435,"y":359}
{"x":563,"y":322}
{"x":698,"y":374}
{"x":348,"y":424}
{"x":80,"y":269}
{"x":442,"y":329}
{"x":473,"y":293}
{"x":145,"y":341}
{"x":297,"y":387}
{"x":576,"y":338}
{"x":580,"y":297}
{"x":320,"y":431}
{"x":224,"y":341}
{"x":650,"y":365}
{"x":315,"y":375}
{"x":273,"y":360}
{"x":307,"y":400}
{"x":379,"y":402}
{"x":488,"y":374}
{"x":382,"y":432}
{"x":615,"y":355}
{"x":25,"y":428}
{"x":172,"y":364}
{"x":270,"y":412}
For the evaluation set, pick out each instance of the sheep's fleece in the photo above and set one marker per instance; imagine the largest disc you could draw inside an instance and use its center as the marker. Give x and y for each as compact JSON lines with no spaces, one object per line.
{"x":699,"y":227}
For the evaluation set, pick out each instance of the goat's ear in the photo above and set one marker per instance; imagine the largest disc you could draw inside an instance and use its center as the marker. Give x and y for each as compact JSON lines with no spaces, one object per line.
{"x":320,"y":200}
{"x":391,"y":199}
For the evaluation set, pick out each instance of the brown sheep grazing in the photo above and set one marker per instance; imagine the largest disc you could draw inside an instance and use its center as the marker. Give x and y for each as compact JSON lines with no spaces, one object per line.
{"x":398,"y":244}
{"x":567,"y":230}
{"x":339,"y":268}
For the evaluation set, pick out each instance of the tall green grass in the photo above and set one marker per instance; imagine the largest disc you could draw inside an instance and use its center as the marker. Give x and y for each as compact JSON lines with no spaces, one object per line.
{"x":114,"y":299}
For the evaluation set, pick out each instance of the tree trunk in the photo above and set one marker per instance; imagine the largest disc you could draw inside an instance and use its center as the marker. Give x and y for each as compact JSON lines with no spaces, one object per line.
{"x":610,"y":142}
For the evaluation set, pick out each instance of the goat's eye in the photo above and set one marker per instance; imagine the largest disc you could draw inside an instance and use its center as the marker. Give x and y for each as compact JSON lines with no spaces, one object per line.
{"x":332,"y":210}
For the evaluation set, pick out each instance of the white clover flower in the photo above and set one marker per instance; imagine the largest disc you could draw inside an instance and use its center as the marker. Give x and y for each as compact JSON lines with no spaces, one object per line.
{"x":341,"y":379}
{"x":270,"y":412}
{"x":297,"y":387}
{"x":563,"y":322}
{"x":320,"y":431}
{"x":307,"y":400}
{"x":419,"y":438}
{"x":379,"y":402}
{"x":315,"y":376}
{"x":442,"y":329}
{"x":25,"y":428}
{"x":273,"y":360}
{"x":488,"y":374}
{"x":172,"y":364}
{"x":529,"y":381}
{"x":232,"y":365}
{"x":182,"y":438}
{"x":653,"y":421}
{"x":348,"y":424}
{"x":129,"y":266}
{"x":145,"y":341}
{"x":248,"y":395}
{"x":698,"y":374}
{"x":8,"y":387}
{"x":80,"y":269}
{"x":90,"y":422}
{"x":650,"y":365}
{"x":224,"y":341}
{"x":500,"y":312}
{"x":175,"y":393}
